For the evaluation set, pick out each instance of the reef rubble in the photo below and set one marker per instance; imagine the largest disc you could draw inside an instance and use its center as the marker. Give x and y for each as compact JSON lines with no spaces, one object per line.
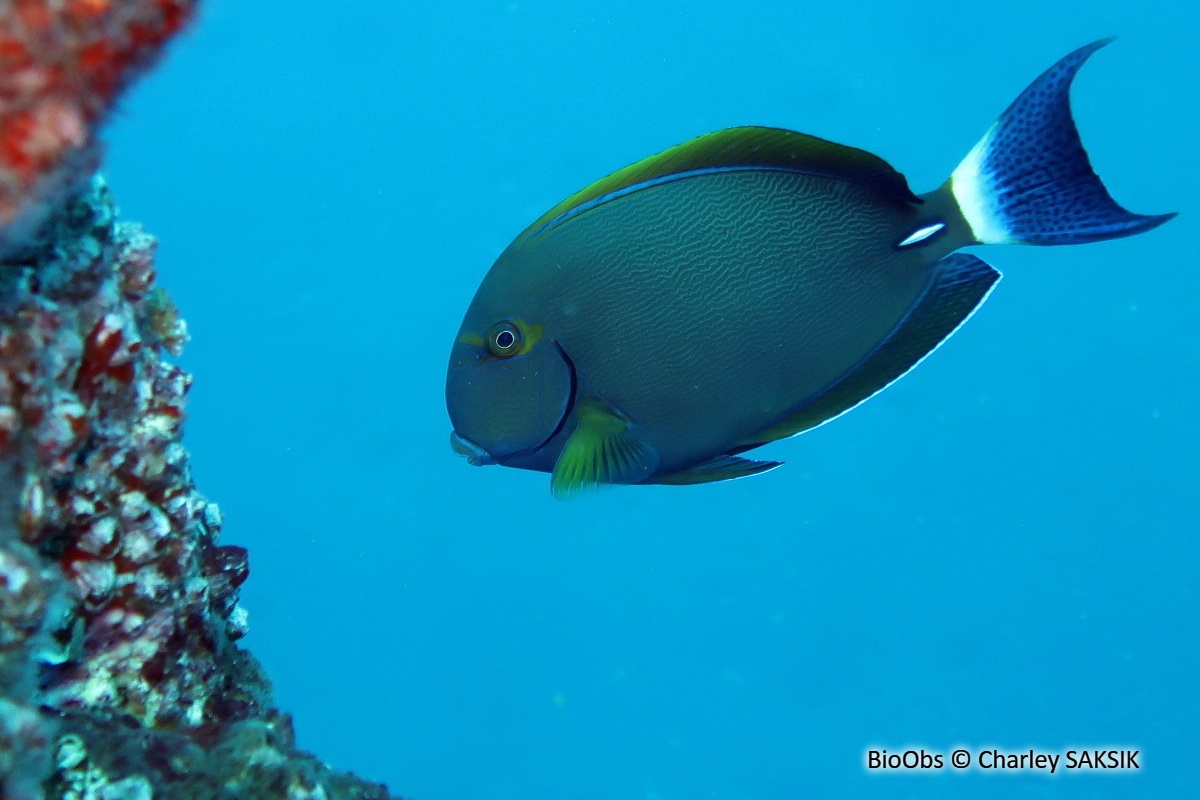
{"x":120,"y":673}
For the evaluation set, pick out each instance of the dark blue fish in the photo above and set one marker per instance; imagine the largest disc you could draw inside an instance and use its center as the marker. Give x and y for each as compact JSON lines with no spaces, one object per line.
{"x":747,"y":286}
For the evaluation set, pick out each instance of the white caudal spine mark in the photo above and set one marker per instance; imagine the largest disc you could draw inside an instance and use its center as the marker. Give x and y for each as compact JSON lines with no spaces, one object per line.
{"x":970,"y":186}
{"x":921,"y":234}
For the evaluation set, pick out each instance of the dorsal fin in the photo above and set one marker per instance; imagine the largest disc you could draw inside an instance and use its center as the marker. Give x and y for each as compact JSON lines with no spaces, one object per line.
{"x":736,"y":149}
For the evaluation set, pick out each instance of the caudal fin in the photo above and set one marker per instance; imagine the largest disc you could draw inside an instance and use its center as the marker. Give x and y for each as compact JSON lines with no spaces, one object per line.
{"x":1029,"y":180}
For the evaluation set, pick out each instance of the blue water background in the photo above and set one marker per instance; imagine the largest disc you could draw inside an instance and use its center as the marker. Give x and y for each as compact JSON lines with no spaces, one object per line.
{"x":999,"y":550}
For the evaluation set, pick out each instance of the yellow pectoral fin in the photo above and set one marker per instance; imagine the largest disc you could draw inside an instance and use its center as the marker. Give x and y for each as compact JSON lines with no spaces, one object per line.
{"x":603,"y":449}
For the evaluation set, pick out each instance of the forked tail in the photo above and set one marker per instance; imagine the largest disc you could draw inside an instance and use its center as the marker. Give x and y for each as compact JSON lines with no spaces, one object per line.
{"x":1029,"y":180}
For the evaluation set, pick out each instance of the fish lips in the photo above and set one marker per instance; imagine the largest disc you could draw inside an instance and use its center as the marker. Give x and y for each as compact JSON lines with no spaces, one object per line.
{"x":476,"y":456}
{"x":507,"y":408}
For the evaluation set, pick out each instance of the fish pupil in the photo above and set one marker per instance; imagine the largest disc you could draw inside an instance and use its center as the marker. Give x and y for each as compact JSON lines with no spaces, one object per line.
{"x":505,"y":340}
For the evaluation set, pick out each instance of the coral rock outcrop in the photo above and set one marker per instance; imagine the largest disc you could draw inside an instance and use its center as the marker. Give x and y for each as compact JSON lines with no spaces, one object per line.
{"x":120,"y":673}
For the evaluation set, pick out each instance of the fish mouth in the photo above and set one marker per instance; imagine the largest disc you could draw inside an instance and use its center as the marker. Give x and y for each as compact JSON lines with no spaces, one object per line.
{"x":476,"y":456}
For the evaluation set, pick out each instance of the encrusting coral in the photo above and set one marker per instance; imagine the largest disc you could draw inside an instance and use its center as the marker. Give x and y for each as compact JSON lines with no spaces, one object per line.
{"x":120,"y":676}
{"x":62,"y":64}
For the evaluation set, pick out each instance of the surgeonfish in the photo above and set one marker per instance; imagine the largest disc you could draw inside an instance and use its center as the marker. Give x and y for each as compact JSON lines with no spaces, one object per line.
{"x":747,"y":286}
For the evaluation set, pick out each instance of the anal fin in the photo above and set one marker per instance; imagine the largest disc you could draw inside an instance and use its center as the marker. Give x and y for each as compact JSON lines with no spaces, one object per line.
{"x":959,"y":285}
{"x":721,"y":468}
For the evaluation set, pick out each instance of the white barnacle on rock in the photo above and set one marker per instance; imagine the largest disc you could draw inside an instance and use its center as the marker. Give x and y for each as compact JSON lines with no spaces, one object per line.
{"x":238,"y":624}
{"x":213,"y":519}
{"x":149,"y":582}
{"x":98,"y":689}
{"x":69,"y":752}
{"x":194,"y":715}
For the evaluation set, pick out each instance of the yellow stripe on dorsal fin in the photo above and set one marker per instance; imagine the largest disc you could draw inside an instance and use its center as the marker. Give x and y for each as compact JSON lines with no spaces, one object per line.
{"x":736,"y":149}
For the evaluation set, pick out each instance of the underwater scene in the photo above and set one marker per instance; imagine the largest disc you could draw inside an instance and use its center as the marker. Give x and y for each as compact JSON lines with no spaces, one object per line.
{"x":996,"y":554}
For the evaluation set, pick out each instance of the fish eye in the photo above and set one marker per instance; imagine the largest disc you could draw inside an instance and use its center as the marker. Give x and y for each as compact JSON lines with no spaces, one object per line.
{"x":505,"y":340}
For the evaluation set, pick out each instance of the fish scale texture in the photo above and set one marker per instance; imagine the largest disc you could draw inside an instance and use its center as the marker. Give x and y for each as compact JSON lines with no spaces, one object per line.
{"x":120,"y":676}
